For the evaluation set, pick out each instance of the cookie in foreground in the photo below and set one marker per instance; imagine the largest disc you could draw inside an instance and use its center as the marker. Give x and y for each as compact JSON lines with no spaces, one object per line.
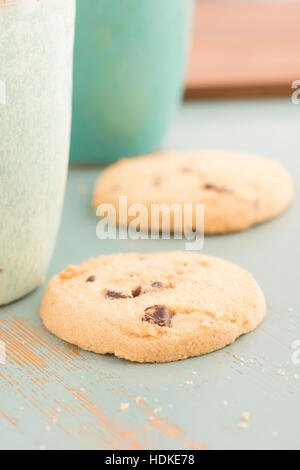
{"x":156,"y":307}
{"x":238,"y":190}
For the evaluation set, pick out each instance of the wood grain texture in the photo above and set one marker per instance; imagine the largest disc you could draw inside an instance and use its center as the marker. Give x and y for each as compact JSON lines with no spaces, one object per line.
{"x":244,"y":49}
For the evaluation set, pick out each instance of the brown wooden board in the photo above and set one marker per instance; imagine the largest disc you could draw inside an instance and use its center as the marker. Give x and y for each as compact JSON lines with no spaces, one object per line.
{"x":244,"y":49}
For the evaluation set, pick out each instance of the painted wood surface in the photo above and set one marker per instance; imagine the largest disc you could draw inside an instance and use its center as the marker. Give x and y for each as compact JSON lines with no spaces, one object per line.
{"x":54,"y":396}
{"x":244,"y":49}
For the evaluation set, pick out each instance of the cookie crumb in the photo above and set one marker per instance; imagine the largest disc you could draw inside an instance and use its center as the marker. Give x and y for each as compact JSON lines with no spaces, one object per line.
{"x":243,"y":425}
{"x":124,"y":406}
{"x":189,"y":382}
{"x":296,"y":377}
{"x":157,"y":410}
{"x":281,"y":372}
{"x":226,"y":403}
{"x":138,"y":400}
{"x":246,"y":416}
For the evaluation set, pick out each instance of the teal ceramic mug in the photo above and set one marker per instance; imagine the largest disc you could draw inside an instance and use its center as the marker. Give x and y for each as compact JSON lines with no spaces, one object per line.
{"x":129,"y":69}
{"x":36,"y":55}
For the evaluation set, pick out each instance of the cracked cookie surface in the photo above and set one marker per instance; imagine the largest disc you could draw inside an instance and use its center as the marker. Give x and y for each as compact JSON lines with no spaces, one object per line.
{"x":157,"y":307}
{"x":238,"y":190}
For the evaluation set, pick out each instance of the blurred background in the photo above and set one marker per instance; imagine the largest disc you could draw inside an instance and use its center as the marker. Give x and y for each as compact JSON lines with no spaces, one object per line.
{"x":130,"y":64}
{"x":244,"y":48}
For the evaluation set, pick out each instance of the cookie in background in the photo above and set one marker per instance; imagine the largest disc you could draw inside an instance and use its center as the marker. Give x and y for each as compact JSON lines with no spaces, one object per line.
{"x":237,"y":190}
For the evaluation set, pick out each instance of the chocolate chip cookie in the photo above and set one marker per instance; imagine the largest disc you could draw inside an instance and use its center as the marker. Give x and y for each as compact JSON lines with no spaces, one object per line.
{"x":153,"y":308}
{"x":237,"y":190}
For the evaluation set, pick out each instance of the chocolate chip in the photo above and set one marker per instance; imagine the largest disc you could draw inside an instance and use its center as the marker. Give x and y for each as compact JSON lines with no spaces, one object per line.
{"x":1,"y":271}
{"x":91,"y":279}
{"x":136,"y":292}
{"x":158,"y":315}
{"x":111,"y":294}
{"x":219,"y":189}
{"x":157,"y":285}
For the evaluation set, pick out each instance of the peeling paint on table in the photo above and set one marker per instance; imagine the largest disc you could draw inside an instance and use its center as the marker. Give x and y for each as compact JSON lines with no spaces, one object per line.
{"x":54,"y":396}
{"x":42,"y":380}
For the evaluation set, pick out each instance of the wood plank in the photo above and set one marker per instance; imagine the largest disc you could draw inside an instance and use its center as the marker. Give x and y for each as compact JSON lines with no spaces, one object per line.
{"x":244,"y":49}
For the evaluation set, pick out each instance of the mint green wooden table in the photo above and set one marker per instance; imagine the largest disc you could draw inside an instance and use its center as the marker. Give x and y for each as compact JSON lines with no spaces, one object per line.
{"x":56,"y":397}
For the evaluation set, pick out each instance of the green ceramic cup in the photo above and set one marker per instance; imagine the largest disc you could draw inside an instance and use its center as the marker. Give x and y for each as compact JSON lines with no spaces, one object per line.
{"x":130,"y":58}
{"x":36,"y":55}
